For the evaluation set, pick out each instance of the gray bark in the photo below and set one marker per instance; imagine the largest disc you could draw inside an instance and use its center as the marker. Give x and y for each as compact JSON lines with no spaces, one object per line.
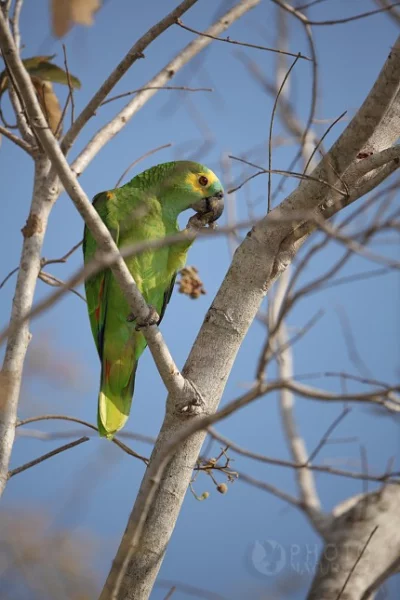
{"x":264,"y":254}
{"x":353,"y":564}
{"x":43,"y":199}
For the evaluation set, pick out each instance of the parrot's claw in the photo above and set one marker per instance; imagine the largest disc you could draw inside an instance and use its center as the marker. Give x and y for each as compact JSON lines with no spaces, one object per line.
{"x":152,"y":319}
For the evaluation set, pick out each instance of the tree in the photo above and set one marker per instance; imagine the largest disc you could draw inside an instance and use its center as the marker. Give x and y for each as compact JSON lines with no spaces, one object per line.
{"x":354,"y":171}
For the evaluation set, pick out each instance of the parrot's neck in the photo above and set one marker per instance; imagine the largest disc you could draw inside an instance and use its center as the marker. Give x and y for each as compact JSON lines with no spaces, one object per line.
{"x":172,"y":205}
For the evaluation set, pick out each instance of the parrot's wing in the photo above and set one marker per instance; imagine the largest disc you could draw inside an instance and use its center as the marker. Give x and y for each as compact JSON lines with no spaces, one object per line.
{"x":167,"y":297}
{"x":97,"y":286}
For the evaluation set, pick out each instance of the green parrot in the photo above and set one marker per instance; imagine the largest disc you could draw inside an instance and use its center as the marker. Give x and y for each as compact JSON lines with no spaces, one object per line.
{"x":144,"y":209}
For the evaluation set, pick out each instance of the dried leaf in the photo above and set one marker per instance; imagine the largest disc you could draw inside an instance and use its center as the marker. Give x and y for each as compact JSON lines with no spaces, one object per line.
{"x":49,"y":104}
{"x":41,"y":68}
{"x":34,"y":61}
{"x":67,"y":12}
{"x":82,"y":11}
{"x":190,"y":283}
{"x":50,"y":72}
{"x":61,"y":19}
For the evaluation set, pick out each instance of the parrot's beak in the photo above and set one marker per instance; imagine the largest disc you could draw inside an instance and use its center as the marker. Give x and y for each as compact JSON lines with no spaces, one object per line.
{"x":210,"y":208}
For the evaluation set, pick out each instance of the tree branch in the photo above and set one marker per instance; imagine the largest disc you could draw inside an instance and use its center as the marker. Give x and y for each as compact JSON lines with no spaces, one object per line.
{"x":44,"y":457}
{"x":14,"y":138}
{"x":364,"y":540}
{"x":133,"y":55}
{"x":106,"y":133}
{"x":257,"y":263}
{"x":165,"y":364}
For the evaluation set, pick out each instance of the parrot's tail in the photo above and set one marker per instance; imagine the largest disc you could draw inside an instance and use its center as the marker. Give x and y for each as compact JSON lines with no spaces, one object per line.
{"x":114,"y":399}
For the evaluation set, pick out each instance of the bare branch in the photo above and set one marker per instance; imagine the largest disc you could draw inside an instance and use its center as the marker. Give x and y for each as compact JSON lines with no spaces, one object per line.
{"x":44,"y":457}
{"x":56,"y":282}
{"x":133,"y":55}
{"x":331,"y":126}
{"x":70,"y":90}
{"x":115,"y":440}
{"x":63,"y":259}
{"x":16,"y":140}
{"x":181,"y":88}
{"x":271,"y":489}
{"x":15,"y":22}
{"x":7,"y":277}
{"x":167,"y":368}
{"x":107,"y":260}
{"x":389,"y":477}
{"x":260,"y":259}
{"x":285,"y":78}
{"x":364,"y":534}
{"x":305,"y":480}
{"x":138,"y":160}
{"x":306,"y":21}
{"x":328,"y":432}
{"x":229,"y":41}
{"x":393,"y":13}
{"x":107,"y":132}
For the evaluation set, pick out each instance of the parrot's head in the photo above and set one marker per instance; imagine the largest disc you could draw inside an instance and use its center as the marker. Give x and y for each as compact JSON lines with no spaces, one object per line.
{"x":201,"y":190}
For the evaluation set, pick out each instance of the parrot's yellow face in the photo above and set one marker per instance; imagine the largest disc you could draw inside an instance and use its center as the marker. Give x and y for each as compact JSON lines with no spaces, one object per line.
{"x":203,"y":189}
{"x":185,"y":184}
{"x":203,"y":181}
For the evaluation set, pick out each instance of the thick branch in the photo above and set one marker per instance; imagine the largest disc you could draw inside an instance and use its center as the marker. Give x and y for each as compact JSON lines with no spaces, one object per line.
{"x":168,"y":370}
{"x":305,"y":478}
{"x":256,"y":264}
{"x":353,"y":561}
{"x":18,"y":340}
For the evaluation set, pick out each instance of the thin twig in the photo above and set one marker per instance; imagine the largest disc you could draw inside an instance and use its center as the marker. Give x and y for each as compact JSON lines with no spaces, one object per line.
{"x":331,"y":126}
{"x":134,"y":54}
{"x":114,"y":440}
{"x":189,"y":590}
{"x":11,"y":273}
{"x":63,"y":259}
{"x":181,"y":88}
{"x":53,"y":281}
{"x":324,"y":439}
{"x":246,"y":45}
{"x":108,"y":131}
{"x":70,"y":87}
{"x":281,"y":172}
{"x":16,"y":140}
{"x":44,"y":457}
{"x":170,"y":593}
{"x":138,"y":160}
{"x":357,"y":561}
{"x":271,"y":126}
{"x":306,"y":21}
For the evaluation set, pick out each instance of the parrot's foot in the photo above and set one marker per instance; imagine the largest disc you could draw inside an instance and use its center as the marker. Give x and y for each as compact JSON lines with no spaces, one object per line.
{"x":152,"y":319}
{"x":193,"y":406}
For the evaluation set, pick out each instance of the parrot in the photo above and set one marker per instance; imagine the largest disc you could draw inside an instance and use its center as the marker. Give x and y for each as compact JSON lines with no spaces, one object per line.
{"x":145,"y":208}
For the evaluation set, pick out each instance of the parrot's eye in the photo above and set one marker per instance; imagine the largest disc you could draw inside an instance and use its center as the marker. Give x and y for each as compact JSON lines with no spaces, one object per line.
{"x":203,"y":180}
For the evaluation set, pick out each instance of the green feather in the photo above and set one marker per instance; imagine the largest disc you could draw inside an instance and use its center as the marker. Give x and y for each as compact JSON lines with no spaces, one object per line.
{"x":144,"y":209}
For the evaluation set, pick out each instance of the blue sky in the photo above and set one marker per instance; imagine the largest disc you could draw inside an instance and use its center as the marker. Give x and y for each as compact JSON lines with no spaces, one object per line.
{"x":91,"y":488}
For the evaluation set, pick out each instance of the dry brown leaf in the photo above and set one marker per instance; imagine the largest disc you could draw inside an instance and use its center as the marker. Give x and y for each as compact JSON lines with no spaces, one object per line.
{"x":67,"y":12}
{"x":82,"y":11}
{"x":61,"y":19}
{"x":49,"y":103}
